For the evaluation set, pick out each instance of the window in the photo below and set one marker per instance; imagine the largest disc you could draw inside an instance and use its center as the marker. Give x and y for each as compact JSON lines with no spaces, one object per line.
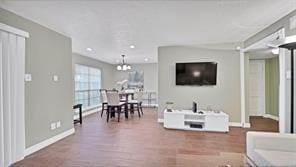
{"x":87,"y":85}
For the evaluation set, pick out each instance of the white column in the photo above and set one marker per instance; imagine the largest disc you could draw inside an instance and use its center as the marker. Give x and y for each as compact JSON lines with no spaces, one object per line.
{"x":12,"y":70}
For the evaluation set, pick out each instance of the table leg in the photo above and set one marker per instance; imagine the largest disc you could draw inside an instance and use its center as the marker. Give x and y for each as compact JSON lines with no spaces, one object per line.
{"x":80,"y":114}
{"x":126,"y":111}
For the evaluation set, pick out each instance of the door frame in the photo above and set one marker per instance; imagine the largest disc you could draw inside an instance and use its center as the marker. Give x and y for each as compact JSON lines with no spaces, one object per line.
{"x":282,"y":71}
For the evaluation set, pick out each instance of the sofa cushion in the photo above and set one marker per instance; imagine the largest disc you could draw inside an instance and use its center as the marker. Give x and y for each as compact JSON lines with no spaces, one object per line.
{"x":275,"y":158}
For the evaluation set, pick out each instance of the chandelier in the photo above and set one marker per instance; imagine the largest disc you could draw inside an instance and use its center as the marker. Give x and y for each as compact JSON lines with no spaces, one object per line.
{"x":123,"y":66}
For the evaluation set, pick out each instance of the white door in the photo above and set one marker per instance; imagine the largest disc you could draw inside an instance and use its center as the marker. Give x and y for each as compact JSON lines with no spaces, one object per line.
{"x":257,"y":88}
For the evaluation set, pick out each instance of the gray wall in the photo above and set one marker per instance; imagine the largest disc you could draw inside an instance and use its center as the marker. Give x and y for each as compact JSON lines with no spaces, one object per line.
{"x":282,"y":23}
{"x":225,"y":95}
{"x":150,"y":75}
{"x":47,"y":53}
{"x":107,"y":69}
{"x":272,"y":83}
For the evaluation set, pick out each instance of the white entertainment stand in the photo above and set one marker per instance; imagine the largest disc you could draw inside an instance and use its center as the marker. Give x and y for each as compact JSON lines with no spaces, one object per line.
{"x":188,"y":120}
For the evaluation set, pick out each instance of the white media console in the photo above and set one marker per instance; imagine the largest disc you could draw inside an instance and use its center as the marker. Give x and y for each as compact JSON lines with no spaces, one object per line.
{"x":188,"y":120}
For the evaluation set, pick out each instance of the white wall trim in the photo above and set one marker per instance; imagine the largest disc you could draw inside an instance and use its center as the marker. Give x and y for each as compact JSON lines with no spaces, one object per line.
{"x":235,"y":124}
{"x":247,"y":125}
{"x":160,"y":120}
{"x":48,"y":142}
{"x":242,"y":88}
{"x":239,"y":124}
{"x":271,"y":117}
{"x":151,"y":105}
{"x":282,"y":92}
{"x":13,"y":30}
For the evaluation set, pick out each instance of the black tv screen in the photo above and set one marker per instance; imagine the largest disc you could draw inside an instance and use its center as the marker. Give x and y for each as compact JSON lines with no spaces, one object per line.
{"x":204,"y":73}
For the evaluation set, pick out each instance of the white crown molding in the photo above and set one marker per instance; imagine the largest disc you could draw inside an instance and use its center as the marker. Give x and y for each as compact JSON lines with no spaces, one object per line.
{"x":13,"y":30}
{"x":48,"y":142}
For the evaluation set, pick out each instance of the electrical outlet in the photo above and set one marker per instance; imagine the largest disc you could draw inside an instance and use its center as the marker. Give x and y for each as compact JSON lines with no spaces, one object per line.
{"x":53,"y":126}
{"x":58,"y":124}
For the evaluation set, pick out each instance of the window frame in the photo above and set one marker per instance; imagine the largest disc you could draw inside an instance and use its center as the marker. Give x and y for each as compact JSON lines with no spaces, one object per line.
{"x":88,"y":90}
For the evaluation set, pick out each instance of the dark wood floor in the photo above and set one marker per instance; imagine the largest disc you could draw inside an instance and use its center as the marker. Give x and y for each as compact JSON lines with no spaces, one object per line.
{"x":144,"y":142}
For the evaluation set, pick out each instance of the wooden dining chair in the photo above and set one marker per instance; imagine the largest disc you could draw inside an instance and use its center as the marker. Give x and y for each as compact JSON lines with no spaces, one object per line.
{"x":114,"y":105}
{"x":103,"y":93}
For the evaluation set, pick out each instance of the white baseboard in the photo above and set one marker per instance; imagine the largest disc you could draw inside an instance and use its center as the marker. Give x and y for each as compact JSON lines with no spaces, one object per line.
{"x":235,"y":124}
{"x":160,"y":120}
{"x":89,"y":112}
{"x":48,"y":142}
{"x":247,"y":125}
{"x":271,"y":117}
{"x":239,"y":124}
{"x":151,"y":105}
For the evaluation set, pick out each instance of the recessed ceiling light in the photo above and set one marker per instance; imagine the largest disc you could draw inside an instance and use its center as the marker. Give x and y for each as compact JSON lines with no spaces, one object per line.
{"x":238,"y":48}
{"x":146,"y":59}
{"x":132,"y":46}
{"x":117,"y":61}
{"x":89,"y":49}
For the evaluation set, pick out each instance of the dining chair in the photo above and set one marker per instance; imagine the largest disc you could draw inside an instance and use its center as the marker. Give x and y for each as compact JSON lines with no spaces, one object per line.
{"x":136,"y":102}
{"x":104,"y":100}
{"x":115,"y":105}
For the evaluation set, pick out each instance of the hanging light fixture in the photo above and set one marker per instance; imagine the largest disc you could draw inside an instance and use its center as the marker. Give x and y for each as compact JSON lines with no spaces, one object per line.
{"x":123,"y":66}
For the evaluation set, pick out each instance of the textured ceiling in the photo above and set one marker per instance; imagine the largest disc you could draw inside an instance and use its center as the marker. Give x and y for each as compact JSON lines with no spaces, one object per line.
{"x":110,"y":27}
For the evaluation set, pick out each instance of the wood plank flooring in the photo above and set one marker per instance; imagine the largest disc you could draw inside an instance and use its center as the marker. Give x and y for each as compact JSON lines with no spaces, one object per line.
{"x":143,"y":142}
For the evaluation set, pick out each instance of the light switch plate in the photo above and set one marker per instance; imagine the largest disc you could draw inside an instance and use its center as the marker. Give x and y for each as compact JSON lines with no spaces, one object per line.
{"x":53,"y":126}
{"x":58,"y":124}
{"x":55,"y":78}
{"x":28,"y":77}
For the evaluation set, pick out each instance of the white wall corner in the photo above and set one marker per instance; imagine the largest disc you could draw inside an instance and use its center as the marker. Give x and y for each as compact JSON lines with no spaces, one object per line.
{"x":271,"y":117}
{"x":160,"y":120}
{"x":48,"y":142}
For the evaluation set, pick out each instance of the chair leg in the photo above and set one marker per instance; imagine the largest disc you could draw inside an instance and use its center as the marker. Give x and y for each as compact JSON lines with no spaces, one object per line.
{"x":126,"y":111}
{"x":108,"y":113}
{"x":141,"y":108}
{"x":138,"y":109}
{"x":102,"y":110}
{"x":119,"y":110}
{"x":131,"y":108}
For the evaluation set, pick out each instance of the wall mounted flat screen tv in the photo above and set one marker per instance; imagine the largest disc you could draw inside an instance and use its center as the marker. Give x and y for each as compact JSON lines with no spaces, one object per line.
{"x":199,"y":73}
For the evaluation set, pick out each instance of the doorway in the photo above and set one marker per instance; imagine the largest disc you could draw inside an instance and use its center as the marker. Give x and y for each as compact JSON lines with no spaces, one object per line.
{"x":262,"y":50}
{"x":263,"y":89}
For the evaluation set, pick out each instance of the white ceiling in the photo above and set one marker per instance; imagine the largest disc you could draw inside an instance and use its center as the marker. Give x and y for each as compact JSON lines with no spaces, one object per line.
{"x":110,"y":27}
